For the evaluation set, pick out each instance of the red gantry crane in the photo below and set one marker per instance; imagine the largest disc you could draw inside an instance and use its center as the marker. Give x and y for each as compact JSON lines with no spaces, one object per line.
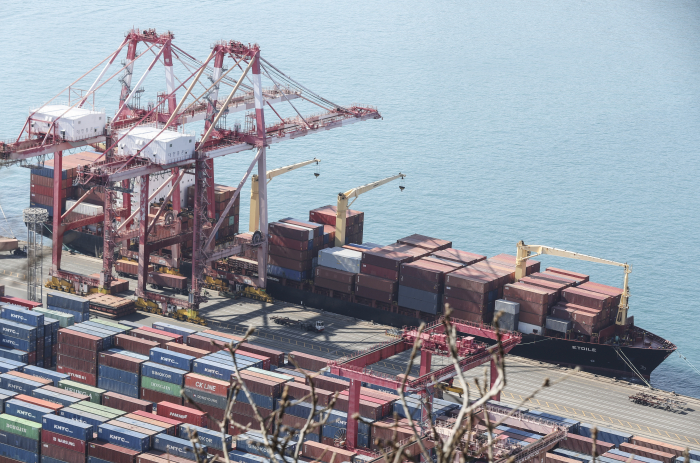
{"x":356,"y":367}
{"x":138,"y":143}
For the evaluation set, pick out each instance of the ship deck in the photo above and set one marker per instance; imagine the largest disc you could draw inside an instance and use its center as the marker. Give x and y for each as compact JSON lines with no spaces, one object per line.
{"x":582,"y":396}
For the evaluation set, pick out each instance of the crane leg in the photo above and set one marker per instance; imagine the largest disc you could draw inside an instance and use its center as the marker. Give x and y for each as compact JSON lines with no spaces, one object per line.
{"x":57,"y":233}
{"x":143,"y":226}
{"x":353,"y":407}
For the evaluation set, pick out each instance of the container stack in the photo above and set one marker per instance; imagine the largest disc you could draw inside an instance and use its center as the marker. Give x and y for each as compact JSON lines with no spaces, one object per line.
{"x":534,"y":302}
{"x":292,"y":248}
{"x":109,"y":306}
{"x":337,"y":269}
{"x":354,"y":222}
{"x":24,"y":330}
{"x":120,"y":371}
{"x":163,"y":376}
{"x":422,"y":284}
{"x":78,"y":307}
{"x":78,"y":348}
{"x":222,"y":196}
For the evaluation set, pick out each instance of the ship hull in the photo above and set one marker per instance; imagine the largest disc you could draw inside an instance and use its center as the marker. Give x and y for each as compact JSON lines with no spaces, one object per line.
{"x":83,"y":243}
{"x":601,"y":359}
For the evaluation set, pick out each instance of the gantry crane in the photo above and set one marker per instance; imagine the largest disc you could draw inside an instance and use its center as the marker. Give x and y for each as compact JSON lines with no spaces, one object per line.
{"x":525,"y":252}
{"x":254,"y":188}
{"x":119,"y":166}
{"x":341,"y":211}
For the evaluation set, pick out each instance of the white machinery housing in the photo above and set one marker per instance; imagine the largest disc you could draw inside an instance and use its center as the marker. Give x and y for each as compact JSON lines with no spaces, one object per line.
{"x":153,"y":184}
{"x":166,"y":148}
{"x":75,"y":124}
{"x":84,"y":208}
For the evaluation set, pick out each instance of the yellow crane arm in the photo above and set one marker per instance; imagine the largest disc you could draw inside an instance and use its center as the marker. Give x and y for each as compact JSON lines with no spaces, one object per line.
{"x":343,"y":205}
{"x":254,"y":189}
{"x":525,"y":252}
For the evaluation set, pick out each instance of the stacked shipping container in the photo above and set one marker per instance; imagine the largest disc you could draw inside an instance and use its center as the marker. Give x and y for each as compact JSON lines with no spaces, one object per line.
{"x":354,"y":222}
{"x":293,"y":246}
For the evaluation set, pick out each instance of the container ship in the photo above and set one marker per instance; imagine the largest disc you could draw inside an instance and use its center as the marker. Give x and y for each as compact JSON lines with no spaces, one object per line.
{"x":564,"y":317}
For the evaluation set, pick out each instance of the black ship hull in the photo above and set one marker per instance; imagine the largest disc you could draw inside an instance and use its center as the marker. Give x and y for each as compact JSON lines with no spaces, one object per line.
{"x":78,"y":241}
{"x":604,"y":359}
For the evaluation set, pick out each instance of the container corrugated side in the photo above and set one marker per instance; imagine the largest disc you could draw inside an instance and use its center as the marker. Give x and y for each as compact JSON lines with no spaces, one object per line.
{"x":94,"y":393}
{"x":123,"y":437}
{"x":178,"y":447}
{"x":20,"y":426}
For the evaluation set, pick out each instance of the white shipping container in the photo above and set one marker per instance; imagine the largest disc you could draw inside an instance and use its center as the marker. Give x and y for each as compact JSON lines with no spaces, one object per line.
{"x":84,"y":208}
{"x":527,"y":328}
{"x":340,"y":259}
{"x":507,"y":306}
{"x":78,"y":123}
{"x":166,"y":148}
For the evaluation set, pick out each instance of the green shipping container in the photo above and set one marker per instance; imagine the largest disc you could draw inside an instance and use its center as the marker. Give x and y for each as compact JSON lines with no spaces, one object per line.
{"x":64,"y":320}
{"x":111,"y":410}
{"x":111,"y":323}
{"x":94,"y":393}
{"x":95,"y":411}
{"x":161,"y":386}
{"x":20,"y":426}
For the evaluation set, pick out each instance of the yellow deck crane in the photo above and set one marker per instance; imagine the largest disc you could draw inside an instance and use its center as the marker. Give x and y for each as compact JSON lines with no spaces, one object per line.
{"x":254,"y":217}
{"x":525,"y":252}
{"x":354,"y":193}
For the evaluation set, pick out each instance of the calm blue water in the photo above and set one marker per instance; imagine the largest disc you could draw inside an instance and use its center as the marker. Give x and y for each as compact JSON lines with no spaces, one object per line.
{"x":571,"y":124}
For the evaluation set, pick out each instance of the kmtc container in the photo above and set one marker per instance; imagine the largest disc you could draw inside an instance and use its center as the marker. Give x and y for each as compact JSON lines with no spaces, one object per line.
{"x":67,"y":427}
{"x":211,"y":368}
{"x":14,"y":453}
{"x":163,"y":373}
{"x":26,"y":410}
{"x":18,"y":330}
{"x":20,"y":426}
{"x":178,"y":447}
{"x":123,"y":437}
{"x":21,"y":442}
{"x":94,"y":393}
{"x":211,"y":438}
{"x":22,"y":315}
{"x":84,"y":417}
{"x":6,"y":367}
{"x":171,"y":358}
{"x":44,"y":373}
{"x":17,"y":384}
{"x":68,"y":301}
{"x":16,"y":343}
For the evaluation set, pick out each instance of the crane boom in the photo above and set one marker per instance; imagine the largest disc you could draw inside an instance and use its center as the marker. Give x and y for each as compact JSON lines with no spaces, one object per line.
{"x":343,"y":205}
{"x":254,"y":188}
{"x":525,"y":252}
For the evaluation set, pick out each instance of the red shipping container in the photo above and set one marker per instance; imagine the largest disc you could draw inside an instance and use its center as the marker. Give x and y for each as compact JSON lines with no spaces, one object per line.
{"x":74,"y":338}
{"x":77,"y":364}
{"x":232,"y":337}
{"x":265,"y":359}
{"x":550,"y":285}
{"x":175,"y":337}
{"x":532,"y":318}
{"x":262,"y":386}
{"x":374,"y":294}
{"x":329,"y":384}
{"x":612,"y":291}
{"x":374,"y":282}
{"x":121,"y":362}
{"x":156,"y":397}
{"x":473,"y":280}
{"x":110,"y":452}
{"x":334,"y":285}
{"x":36,"y":379}
{"x":298,"y":265}
{"x":326,"y":453}
{"x":427,"y":269}
{"x":125,"y":403}
{"x":70,"y":443}
{"x":462,"y":257}
{"x":556,"y":458}
{"x":166,"y":420}
{"x":297,"y":245}
{"x":530,"y":293}
{"x":289,"y":253}
{"x":61,"y":453}
{"x":159,"y":338}
{"x":332,"y":274}
{"x":41,"y":403}
{"x":420,"y":283}
{"x":485,"y":317}
{"x":184,"y":414}
{"x":276,"y":356}
{"x":531,"y":307}
{"x":580,"y":277}
{"x":207,"y":344}
{"x":187,"y":350}
{"x":78,"y":376}
{"x":464,"y":306}
{"x":134,"y":344}
{"x":369,"y":410}
{"x":290,"y":231}
{"x":21,"y":302}
{"x":298,"y":391}
{"x":247,"y":410}
{"x":166,"y":279}
{"x":657,"y":445}
{"x":212,"y":413}
{"x":466,"y":295}
{"x":381,"y":272}
{"x":307,"y":361}
{"x":584,"y":445}
{"x":556,"y":277}
{"x":425,"y":242}
{"x":586,"y":298}
{"x":646,"y":452}
{"x":207,"y":384}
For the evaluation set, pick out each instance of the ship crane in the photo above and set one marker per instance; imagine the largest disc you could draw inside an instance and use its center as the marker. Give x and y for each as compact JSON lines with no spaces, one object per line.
{"x":341,"y":211}
{"x":525,"y":252}
{"x":254,"y":188}
{"x":357,"y":366}
{"x":120,"y":165}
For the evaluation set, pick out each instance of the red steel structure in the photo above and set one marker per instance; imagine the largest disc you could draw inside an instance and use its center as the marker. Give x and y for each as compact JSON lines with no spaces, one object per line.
{"x":115,"y":173}
{"x":356,"y":367}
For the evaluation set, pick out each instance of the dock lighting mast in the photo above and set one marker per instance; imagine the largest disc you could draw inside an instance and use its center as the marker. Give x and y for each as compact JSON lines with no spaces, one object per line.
{"x":340,"y":215}
{"x":35,"y":217}
{"x":525,"y":252}
{"x":254,"y":192}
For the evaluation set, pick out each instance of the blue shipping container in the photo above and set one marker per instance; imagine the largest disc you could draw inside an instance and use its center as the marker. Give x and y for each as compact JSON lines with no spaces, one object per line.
{"x":25,"y":410}
{"x":19,"y":344}
{"x":67,"y":427}
{"x":218,"y":338}
{"x":259,"y":400}
{"x":78,"y":317}
{"x":171,"y":358}
{"x":226,"y":356}
{"x":163,"y":373}
{"x":21,"y":442}
{"x":123,"y":437}
{"x":18,"y":330}
{"x":178,"y":447}
{"x":44,"y":373}
{"x":212,"y":369}
{"x":14,"y":354}
{"x":82,"y":416}
{"x":22,"y":315}
{"x":243,"y":457}
{"x":5,"y":367}
{"x":184,"y":332}
{"x":606,"y":435}
{"x":282,"y":272}
{"x":118,"y":387}
{"x":18,"y":454}
{"x":118,"y":375}
{"x":68,"y":301}
{"x":15,"y":383}
{"x":208,"y":437}
{"x":141,"y":424}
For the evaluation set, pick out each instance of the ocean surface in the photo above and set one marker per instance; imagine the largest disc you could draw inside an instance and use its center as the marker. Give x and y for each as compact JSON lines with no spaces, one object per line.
{"x":568,"y":124}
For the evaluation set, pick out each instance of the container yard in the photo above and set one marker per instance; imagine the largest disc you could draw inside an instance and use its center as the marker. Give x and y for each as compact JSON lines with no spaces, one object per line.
{"x":121,"y":357}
